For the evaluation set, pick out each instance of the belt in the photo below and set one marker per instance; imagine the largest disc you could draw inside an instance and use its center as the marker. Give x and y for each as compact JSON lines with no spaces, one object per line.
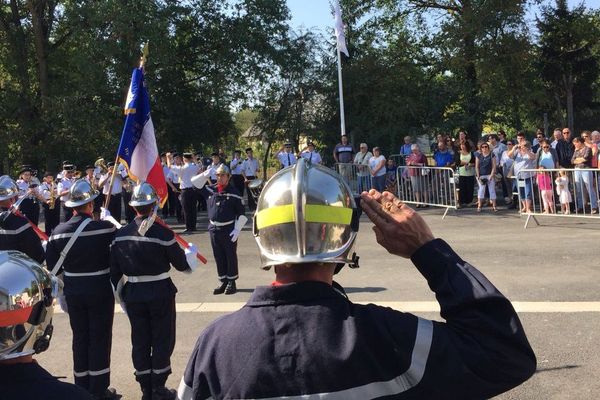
{"x":187,"y":188}
{"x":95,"y":273}
{"x":215,"y":223}
{"x":147,"y":278}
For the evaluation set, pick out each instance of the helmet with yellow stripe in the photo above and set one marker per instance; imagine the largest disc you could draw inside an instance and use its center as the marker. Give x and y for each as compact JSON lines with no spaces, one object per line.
{"x":306,"y":214}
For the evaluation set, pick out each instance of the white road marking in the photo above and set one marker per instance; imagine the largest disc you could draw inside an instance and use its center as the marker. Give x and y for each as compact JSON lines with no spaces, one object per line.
{"x":405,"y":306}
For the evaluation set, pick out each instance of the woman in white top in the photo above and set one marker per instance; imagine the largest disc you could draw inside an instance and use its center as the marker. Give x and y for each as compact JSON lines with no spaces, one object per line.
{"x":377,"y":169}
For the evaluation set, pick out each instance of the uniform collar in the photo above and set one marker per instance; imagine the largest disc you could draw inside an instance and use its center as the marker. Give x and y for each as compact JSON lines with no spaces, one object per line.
{"x":290,"y":293}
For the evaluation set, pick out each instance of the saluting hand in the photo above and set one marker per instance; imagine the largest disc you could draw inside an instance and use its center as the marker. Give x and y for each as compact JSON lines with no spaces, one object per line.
{"x":398,"y":228}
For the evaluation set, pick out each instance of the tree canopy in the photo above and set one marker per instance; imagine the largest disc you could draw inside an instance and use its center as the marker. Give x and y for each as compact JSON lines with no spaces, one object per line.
{"x":218,"y":68}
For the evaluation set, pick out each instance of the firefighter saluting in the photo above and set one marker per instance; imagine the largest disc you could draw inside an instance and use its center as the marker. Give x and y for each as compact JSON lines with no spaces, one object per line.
{"x":79,"y":249}
{"x":141,"y":257}
{"x":226,"y":216}
{"x":16,"y":232}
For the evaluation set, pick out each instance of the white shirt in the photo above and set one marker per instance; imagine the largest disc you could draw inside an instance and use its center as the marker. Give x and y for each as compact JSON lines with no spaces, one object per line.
{"x":23,"y":186}
{"x":286,"y":159}
{"x":554,"y":143}
{"x":45,"y":190}
{"x":185,"y":173}
{"x":250,"y":167}
{"x":362,"y":159}
{"x":311,"y":156}
{"x":65,"y":184}
{"x":117,"y":187}
{"x":236,"y":166}
{"x":374,"y":162}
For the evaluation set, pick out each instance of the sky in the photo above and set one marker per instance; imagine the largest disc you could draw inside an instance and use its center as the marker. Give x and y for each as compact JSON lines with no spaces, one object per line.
{"x":316,"y":13}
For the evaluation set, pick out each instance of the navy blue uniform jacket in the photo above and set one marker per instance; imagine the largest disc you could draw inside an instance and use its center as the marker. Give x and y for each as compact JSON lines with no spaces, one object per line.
{"x":17,"y":234}
{"x":152,"y":254}
{"x":308,"y":339}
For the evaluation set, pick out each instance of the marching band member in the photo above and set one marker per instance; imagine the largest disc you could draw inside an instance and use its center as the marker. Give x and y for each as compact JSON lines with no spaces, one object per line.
{"x":114,"y":205}
{"x":51,"y":205}
{"x":30,"y":205}
{"x":285,"y":156}
{"x":250,"y":169}
{"x":185,"y":173}
{"x":15,"y":231}
{"x":226,"y":216}
{"x":235,"y":166}
{"x":143,"y":253}
{"x":66,"y":181}
{"x":88,"y":296}
{"x":309,"y":154}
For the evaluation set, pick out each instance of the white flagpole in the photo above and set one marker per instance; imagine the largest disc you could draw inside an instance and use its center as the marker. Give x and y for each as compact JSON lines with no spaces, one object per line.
{"x":341,"y":90}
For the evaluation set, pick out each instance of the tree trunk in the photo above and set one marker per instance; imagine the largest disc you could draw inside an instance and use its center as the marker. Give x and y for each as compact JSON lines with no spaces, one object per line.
{"x":266,"y":160}
{"x":570,"y":112}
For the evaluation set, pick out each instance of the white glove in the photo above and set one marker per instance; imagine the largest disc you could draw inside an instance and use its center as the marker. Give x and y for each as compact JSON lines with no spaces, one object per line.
{"x":44,"y":245}
{"x":122,"y":304}
{"x":190,"y":257}
{"x":117,"y":292}
{"x":235,"y":233}
{"x":200,"y":180}
{"x":62,"y":302}
{"x":104,"y":213}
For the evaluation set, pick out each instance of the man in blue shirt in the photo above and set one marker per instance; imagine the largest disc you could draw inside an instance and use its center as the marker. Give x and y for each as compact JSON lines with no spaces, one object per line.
{"x":443,"y":157}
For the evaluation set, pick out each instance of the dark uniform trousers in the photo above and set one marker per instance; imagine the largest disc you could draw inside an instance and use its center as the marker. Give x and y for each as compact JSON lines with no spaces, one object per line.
{"x":165,"y":210}
{"x":114,"y":206}
{"x":129,"y":211}
{"x":91,"y":319}
{"x":225,"y":252}
{"x":251,"y":202}
{"x":31,"y":209}
{"x":51,"y":217}
{"x":175,"y":204}
{"x":188,"y":202}
{"x":153,"y":339}
{"x":67,"y":213}
{"x":238,"y":183}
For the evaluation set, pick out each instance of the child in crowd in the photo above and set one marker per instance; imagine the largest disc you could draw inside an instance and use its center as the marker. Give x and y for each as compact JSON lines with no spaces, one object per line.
{"x":562,"y":190}
{"x":544,"y":181}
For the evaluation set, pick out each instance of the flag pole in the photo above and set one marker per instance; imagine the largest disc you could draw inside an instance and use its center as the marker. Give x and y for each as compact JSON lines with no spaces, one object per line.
{"x":143,"y":60}
{"x":341,"y":90}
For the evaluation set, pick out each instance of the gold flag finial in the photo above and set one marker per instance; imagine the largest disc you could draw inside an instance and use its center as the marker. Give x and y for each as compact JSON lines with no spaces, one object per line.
{"x":145,"y":52}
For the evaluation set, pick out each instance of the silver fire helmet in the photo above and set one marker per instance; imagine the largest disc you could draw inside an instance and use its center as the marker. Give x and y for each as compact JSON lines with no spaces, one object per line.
{"x":81,"y":193}
{"x":143,"y":194}
{"x":26,"y":295}
{"x":8,"y":188}
{"x":306,"y":214}
{"x":222,"y":169}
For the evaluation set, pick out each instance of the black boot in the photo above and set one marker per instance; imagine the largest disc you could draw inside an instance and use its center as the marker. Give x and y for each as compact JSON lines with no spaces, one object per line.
{"x":162,"y":393}
{"x":230,"y":289}
{"x":109,"y":394}
{"x":221,"y":288}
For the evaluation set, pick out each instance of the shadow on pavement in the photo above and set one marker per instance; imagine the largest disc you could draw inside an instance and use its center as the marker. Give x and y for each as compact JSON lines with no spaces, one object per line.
{"x":368,"y":289}
{"x":556,"y":368}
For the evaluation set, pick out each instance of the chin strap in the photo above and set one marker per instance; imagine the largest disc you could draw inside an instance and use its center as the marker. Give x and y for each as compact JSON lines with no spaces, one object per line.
{"x":148,"y":222}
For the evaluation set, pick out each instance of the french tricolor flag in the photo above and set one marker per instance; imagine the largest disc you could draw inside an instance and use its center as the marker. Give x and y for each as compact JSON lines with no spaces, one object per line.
{"x":138,"y":150}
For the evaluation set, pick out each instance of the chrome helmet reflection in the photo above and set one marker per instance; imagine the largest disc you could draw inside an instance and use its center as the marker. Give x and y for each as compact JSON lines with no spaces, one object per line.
{"x":8,"y":188}
{"x":143,"y":194}
{"x":306,"y":214}
{"x":81,"y":193}
{"x":26,"y":295}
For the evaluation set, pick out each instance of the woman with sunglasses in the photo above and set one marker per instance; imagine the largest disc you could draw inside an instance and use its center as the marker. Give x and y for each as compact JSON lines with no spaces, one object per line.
{"x":485,"y":170}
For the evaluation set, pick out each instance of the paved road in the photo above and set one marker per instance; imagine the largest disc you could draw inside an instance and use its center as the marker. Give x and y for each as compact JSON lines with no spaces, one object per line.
{"x":549,"y":270}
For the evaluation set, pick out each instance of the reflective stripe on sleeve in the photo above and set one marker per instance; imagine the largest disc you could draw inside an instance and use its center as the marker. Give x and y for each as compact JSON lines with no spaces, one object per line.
{"x":184,"y":392}
{"x":147,"y":278}
{"x":95,"y":273}
{"x":162,"y":370}
{"x":400,"y":384}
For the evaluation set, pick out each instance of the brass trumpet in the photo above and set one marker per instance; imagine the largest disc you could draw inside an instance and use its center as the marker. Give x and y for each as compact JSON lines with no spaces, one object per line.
{"x":100,"y":163}
{"x":52,"y":200}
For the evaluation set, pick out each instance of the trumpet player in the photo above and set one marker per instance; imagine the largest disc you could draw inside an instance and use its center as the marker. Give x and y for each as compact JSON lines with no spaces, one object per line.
{"x":28,"y":188}
{"x":51,"y":203}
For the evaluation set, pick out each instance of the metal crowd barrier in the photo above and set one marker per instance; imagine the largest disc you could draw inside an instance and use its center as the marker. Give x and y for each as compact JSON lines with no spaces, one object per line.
{"x":429,"y":186}
{"x":357,"y":176}
{"x":565,"y":193}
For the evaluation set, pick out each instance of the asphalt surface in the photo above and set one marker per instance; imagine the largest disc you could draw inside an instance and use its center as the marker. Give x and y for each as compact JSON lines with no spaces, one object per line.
{"x":554,"y":262}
